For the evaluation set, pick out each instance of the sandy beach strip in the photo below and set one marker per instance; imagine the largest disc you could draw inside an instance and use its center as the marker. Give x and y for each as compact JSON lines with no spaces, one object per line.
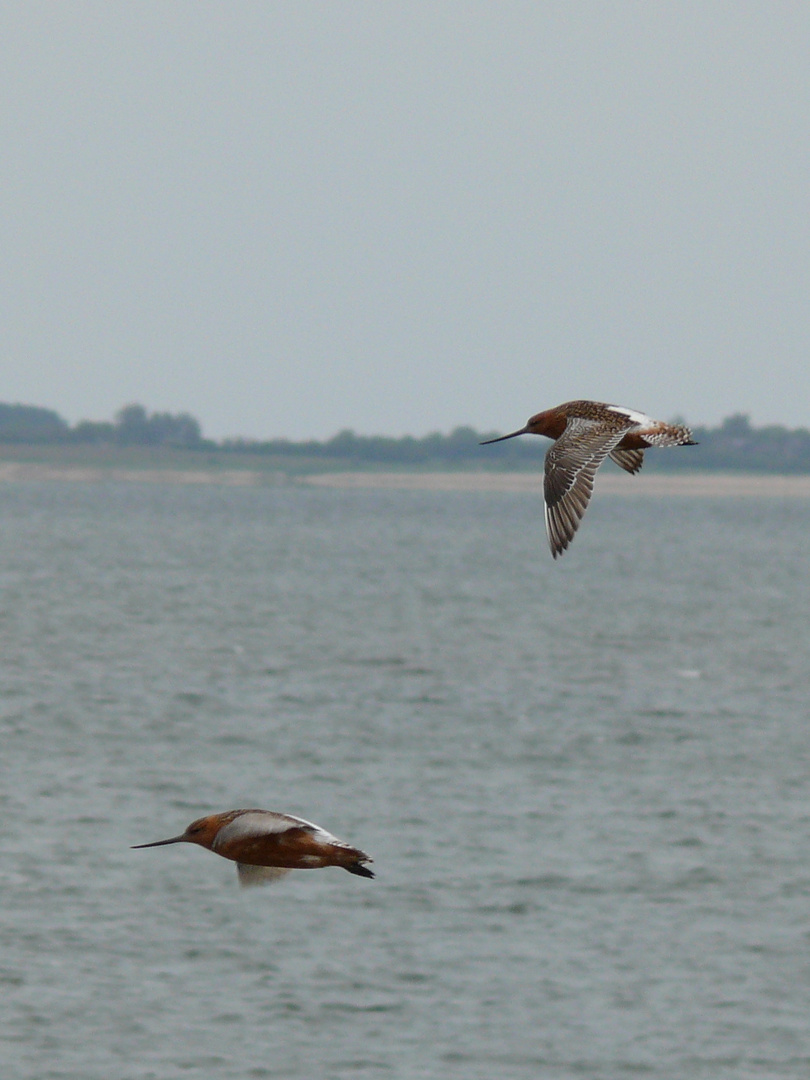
{"x":607,"y":483}
{"x":17,"y":471}
{"x":706,"y":484}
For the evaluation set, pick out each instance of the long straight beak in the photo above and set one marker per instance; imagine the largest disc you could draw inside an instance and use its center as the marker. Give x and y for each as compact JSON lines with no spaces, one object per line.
{"x":160,"y":843}
{"x":523,"y":431}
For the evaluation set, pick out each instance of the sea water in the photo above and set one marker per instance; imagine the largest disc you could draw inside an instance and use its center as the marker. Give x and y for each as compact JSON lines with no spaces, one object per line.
{"x":584,"y":784}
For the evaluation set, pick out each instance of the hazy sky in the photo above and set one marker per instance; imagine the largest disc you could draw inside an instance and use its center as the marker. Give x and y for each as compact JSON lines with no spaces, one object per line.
{"x":292,"y":218}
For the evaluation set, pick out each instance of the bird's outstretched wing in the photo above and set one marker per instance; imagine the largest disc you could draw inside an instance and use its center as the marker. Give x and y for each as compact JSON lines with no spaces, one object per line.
{"x":629,"y":460}
{"x":571,"y":464}
{"x":259,"y":875}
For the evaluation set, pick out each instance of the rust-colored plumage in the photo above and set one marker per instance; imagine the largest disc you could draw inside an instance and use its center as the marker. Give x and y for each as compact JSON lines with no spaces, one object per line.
{"x":265,"y":845}
{"x":584,"y":434}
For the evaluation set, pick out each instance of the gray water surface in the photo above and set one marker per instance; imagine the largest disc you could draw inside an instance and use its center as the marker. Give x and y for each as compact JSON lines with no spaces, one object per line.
{"x":584,"y":784}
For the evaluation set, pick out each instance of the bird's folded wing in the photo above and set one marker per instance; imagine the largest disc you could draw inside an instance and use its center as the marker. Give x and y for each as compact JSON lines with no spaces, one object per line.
{"x":259,"y":875}
{"x":571,"y":464}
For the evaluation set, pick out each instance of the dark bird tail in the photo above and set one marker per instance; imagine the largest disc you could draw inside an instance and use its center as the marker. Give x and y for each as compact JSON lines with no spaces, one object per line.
{"x":353,"y":860}
{"x":360,"y":870}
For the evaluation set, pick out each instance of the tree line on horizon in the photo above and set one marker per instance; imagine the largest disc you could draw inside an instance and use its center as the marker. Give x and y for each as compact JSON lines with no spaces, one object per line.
{"x":734,"y":444}
{"x":132,"y":426}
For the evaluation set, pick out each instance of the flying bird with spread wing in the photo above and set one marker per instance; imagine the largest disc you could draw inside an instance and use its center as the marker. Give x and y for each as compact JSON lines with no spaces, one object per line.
{"x":584,"y":434}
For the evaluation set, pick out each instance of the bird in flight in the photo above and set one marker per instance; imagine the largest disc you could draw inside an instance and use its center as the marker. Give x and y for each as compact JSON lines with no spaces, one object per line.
{"x":265,"y":846}
{"x":584,"y":434}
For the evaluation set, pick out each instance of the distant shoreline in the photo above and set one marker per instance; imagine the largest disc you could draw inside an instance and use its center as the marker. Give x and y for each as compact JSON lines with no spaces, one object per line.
{"x":706,"y":484}
{"x":608,"y":483}
{"x":23,"y":471}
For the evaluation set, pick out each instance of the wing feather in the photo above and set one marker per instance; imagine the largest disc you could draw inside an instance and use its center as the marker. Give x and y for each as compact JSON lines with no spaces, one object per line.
{"x":571,"y":465}
{"x":629,"y":460}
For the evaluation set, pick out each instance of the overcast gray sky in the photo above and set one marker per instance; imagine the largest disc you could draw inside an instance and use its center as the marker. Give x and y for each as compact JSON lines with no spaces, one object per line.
{"x":292,"y":218}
